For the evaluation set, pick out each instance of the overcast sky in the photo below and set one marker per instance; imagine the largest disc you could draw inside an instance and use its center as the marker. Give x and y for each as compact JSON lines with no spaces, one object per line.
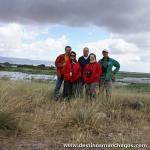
{"x":40,"y":29}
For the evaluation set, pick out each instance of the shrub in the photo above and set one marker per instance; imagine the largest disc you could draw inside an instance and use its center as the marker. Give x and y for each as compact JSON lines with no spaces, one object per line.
{"x":8,"y":123}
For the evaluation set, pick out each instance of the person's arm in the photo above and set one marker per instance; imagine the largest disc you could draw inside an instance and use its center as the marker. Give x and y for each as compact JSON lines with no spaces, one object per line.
{"x":78,"y":72}
{"x":58,"y":62}
{"x":99,"y":62}
{"x":84,"y":74}
{"x":100,"y":67}
{"x":117,"y":65}
{"x":79,"y":60}
{"x":66,"y":71}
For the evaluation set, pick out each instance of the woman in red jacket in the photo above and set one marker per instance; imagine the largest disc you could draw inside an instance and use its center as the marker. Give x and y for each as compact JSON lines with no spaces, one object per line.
{"x":72,"y":74}
{"x":91,"y":76}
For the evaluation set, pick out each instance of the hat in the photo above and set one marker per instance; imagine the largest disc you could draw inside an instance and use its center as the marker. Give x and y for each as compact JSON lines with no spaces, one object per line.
{"x":105,"y":50}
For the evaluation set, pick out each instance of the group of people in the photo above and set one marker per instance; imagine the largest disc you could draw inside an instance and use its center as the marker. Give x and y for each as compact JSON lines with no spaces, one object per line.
{"x":85,"y":74}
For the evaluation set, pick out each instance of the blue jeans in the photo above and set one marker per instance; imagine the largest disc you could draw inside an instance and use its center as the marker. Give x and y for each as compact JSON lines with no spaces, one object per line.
{"x":58,"y":86}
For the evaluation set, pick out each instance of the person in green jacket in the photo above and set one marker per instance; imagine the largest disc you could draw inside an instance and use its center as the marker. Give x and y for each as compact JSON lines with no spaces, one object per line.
{"x":108,"y":75}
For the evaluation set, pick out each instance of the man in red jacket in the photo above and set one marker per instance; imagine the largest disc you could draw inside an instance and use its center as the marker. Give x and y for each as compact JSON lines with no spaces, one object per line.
{"x":91,"y":75}
{"x":72,"y":74}
{"x":60,"y":62}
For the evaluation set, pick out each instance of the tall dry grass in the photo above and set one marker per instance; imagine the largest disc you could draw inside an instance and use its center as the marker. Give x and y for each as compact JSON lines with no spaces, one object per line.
{"x":28,"y":109}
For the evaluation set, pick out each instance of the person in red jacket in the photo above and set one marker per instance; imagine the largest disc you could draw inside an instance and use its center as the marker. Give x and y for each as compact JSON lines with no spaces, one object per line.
{"x":91,"y":76}
{"x":60,"y":62}
{"x":72,"y":74}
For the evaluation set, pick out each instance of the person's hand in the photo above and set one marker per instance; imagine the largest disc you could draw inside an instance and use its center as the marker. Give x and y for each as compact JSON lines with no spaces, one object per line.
{"x":70,"y":74}
{"x":64,"y":64}
{"x":114,"y":73}
{"x":113,"y":77}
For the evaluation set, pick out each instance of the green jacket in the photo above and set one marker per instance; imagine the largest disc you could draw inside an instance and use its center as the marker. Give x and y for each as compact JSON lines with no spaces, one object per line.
{"x":111,"y":63}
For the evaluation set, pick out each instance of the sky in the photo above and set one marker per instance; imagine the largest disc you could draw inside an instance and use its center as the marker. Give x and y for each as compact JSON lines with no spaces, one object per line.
{"x":40,"y":29}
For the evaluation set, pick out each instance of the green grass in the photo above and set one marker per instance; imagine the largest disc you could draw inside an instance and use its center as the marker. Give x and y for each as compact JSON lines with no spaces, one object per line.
{"x":138,"y":87}
{"x":29,"y":70}
{"x":122,"y":74}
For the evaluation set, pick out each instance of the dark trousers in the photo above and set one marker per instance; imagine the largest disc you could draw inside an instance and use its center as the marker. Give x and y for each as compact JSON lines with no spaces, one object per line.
{"x":76,"y":89}
{"x":67,"y":91}
{"x":81,"y":86}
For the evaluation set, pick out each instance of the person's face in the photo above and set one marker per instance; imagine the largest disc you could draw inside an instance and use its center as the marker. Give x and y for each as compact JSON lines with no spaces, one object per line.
{"x":92,"y":58}
{"x":72,"y":57}
{"x":105,"y":54}
{"x":68,"y":50}
{"x":86,"y":52}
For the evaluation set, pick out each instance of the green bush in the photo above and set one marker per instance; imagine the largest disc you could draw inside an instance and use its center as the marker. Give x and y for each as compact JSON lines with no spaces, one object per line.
{"x":8,"y":123}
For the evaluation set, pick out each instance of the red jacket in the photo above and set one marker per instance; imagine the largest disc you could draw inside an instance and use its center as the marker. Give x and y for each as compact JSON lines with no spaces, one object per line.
{"x":73,"y":68}
{"x":92,"y":73}
{"x":59,"y":64}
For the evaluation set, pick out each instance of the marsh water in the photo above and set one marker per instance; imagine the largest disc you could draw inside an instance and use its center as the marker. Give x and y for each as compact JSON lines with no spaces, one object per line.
{"x":26,"y":76}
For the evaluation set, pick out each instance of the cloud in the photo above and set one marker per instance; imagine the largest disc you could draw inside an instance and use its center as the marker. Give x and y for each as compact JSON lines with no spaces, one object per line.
{"x":126,"y":20}
{"x":128,"y":54}
{"x":140,"y":39}
{"x":114,"y":45}
{"x":116,"y":15}
{"x":17,"y":41}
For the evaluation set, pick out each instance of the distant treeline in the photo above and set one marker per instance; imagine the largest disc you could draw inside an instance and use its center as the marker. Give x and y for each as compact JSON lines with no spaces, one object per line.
{"x":42,"y":66}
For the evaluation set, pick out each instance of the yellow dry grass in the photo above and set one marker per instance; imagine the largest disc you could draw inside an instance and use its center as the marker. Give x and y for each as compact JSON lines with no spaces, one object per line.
{"x":36,"y":115}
